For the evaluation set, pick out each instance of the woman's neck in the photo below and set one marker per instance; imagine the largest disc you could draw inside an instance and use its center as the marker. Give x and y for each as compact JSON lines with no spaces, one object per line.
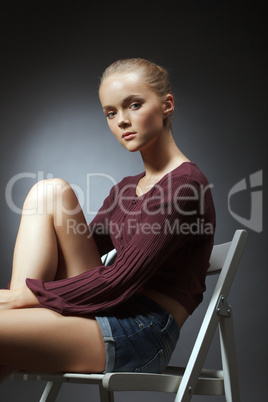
{"x":162,"y":156}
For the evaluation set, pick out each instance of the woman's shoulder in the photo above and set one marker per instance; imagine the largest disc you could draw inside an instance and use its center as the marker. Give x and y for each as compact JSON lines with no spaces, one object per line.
{"x":187,"y":172}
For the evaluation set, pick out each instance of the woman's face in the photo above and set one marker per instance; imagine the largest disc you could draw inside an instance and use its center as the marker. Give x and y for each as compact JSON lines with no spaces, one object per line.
{"x":134,"y":112}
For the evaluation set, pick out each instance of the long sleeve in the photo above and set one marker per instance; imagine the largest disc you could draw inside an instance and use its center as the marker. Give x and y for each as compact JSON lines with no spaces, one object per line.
{"x":145,"y":238}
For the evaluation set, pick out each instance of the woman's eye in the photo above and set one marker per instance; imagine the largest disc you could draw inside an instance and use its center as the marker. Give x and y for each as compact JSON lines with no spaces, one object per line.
{"x":135,"y":105}
{"x":110,"y":115}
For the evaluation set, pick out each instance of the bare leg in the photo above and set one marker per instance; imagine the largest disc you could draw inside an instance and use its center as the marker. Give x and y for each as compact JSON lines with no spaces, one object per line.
{"x":48,"y":244}
{"x":41,"y":340}
{"x":49,"y":247}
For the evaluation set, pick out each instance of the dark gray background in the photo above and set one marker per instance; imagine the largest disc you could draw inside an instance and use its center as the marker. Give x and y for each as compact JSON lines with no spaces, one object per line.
{"x":52,"y":55}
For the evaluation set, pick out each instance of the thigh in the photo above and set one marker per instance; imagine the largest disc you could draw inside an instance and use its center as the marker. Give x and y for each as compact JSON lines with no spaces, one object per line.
{"x":42,"y":340}
{"x":53,"y":241}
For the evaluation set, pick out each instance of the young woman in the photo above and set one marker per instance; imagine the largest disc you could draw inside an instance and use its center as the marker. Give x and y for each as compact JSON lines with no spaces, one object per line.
{"x":65,"y":311}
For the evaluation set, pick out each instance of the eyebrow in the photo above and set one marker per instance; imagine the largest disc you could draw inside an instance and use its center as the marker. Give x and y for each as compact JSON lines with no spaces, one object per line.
{"x":127,"y":100}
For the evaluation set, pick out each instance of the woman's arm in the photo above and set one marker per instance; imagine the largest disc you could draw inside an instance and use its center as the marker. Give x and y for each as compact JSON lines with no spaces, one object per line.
{"x":17,"y":298}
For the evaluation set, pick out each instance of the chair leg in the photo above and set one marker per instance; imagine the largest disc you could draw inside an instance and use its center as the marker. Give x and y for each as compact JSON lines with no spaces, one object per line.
{"x":197,"y":358}
{"x":229,"y":363}
{"x":50,"y":392}
{"x":106,"y":396}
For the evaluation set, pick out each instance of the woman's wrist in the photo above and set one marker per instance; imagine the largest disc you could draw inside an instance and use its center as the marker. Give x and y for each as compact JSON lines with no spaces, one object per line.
{"x":17,"y":298}
{"x":24,"y":298}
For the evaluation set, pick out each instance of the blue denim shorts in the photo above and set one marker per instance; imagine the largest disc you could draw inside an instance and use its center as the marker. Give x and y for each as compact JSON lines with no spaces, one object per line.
{"x":139,"y":336}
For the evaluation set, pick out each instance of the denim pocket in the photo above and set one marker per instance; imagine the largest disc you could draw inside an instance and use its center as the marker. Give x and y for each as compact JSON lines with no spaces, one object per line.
{"x":155,"y":365}
{"x":168,"y":324}
{"x":167,"y":335}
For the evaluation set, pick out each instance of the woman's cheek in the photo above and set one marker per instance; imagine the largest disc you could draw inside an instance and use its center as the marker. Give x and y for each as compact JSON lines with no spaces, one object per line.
{"x":112,"y":126}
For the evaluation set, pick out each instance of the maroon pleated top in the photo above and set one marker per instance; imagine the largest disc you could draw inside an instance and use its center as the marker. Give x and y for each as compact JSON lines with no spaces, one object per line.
{"x":163,"y":241}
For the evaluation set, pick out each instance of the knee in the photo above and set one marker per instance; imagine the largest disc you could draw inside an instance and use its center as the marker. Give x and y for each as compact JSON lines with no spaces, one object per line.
{"x":47,"y":194}
{"x":47,"y":188}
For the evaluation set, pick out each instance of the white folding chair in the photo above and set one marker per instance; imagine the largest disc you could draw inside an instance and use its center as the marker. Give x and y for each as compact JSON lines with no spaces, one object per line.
{"x":184,"y":382}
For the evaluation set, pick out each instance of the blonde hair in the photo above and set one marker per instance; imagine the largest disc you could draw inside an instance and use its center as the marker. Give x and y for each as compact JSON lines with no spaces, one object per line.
{"x":153,"y":75}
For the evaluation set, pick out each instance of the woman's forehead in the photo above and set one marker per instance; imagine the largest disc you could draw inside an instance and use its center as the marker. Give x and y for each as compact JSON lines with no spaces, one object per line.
{"x":119,"y":86}
{"x":121,"y":80}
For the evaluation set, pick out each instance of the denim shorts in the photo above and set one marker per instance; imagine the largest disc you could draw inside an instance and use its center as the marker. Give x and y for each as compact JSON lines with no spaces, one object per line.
{"x":139,"y":336}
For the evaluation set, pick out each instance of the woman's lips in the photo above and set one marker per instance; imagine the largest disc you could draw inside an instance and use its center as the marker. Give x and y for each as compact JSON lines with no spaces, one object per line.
{"x":128,"y":135}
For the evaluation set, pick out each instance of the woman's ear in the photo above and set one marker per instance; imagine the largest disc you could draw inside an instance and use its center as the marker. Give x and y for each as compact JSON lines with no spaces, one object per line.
{"x":168,"y":105}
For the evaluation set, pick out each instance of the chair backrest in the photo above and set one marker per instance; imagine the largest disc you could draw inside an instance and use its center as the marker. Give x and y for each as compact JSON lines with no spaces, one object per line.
{"x":217,"y":258}
{"x":109,"y":258}
{"x":224,"y":259}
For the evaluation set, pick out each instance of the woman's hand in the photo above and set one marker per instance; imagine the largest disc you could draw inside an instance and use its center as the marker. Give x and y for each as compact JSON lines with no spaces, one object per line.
{"x":17,"y":298}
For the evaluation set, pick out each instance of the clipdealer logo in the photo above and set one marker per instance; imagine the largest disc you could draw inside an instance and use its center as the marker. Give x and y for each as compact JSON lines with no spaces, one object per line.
{"x":254,"y":191}
{"x":255,"y":221}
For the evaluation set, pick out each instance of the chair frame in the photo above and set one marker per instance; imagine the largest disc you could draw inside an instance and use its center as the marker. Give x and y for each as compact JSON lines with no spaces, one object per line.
{"x":184,"y":382}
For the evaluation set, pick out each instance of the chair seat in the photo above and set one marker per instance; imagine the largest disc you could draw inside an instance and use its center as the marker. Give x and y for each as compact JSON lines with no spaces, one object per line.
{"x":168,"y":382}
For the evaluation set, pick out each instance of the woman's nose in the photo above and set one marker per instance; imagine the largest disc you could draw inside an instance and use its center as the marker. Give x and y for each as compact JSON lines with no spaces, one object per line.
{"x":123,"y":120}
